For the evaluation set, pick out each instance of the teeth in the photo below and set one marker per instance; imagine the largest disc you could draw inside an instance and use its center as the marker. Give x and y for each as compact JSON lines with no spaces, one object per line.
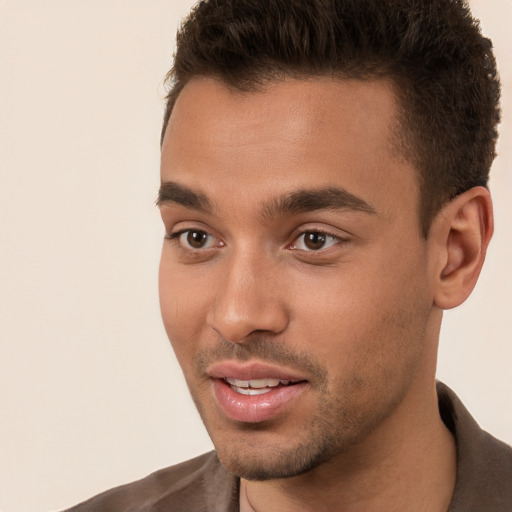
{"x":238,"y":383}
{"x":264,"y":383}
{"x":251,"y":391}
{"x":257,"y":384}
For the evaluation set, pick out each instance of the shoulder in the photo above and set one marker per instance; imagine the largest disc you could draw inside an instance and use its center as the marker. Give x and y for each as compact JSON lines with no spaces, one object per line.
{"x":484,"y":464}
{"x":190,"y":486}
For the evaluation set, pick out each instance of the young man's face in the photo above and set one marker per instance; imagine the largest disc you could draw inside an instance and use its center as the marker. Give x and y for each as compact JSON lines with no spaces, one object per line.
{"x":294,"y":268}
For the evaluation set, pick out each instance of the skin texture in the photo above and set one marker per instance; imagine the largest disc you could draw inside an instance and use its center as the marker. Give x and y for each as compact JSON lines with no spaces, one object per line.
{"x":355,"y":317}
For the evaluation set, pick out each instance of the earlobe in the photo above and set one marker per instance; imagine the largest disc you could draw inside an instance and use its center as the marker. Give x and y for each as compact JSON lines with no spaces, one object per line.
{"x":462,"y":230}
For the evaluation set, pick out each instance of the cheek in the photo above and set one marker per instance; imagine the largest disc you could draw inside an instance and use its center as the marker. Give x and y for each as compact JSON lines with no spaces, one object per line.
{"x":168,"y":293}
{"x":182,"y":305}
{"x":367,"y":323}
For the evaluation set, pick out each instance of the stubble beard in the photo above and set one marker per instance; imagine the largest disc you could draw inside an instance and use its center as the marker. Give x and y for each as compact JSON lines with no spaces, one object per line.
{"x":258,"y":452}
{"x":318,"y":443}
{"x":340,"y":420}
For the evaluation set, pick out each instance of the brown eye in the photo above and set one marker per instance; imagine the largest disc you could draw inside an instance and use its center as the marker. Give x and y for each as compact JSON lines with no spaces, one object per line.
{"x":314,"y":240}
{"x":196,"y":239}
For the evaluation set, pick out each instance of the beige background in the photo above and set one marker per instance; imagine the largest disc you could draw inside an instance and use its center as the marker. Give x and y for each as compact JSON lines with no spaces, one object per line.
{"x":90,"y":394}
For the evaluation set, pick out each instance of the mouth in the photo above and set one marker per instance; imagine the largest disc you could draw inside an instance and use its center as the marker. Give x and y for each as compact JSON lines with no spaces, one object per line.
{"x":254,"y":392}
{"x":258,"y":386}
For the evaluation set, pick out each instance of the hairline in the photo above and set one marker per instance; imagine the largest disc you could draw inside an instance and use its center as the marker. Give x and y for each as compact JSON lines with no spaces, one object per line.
{"x":403,"y":143}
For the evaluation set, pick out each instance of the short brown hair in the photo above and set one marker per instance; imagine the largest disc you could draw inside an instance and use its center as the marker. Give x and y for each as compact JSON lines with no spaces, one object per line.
{"x":442,"y":66}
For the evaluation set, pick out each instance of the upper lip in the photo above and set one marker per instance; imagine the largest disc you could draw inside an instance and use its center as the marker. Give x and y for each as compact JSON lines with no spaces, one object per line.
{"x":251,"y":370}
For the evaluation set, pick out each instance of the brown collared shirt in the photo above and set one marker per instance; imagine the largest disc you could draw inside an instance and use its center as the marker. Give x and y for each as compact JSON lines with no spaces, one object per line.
{"x":203,"y":484}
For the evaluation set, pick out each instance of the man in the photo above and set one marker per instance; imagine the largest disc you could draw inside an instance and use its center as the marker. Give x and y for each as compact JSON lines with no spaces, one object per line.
{"x":323,"y":191}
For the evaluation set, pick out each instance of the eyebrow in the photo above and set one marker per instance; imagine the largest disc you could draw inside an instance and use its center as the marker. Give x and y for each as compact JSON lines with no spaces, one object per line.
{"x":299,"y":201}
{"x":307,"y":200}
{"x":174,"y":193}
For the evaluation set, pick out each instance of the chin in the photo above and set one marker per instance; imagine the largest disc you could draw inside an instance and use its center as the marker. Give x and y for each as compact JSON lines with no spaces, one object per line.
{"x":254,"y":464}
{"x":269,"y":452}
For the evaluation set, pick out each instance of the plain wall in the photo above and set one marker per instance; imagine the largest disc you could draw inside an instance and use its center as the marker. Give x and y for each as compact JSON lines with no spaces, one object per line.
{"x":90,"y":394}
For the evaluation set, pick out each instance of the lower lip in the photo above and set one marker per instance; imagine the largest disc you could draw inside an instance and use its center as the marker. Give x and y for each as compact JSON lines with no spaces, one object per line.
{"x":254,"y":408}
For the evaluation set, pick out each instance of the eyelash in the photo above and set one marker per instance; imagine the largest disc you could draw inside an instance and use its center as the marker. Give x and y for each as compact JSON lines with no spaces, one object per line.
{"x":329,"y":239}
{"x":175,"y":237}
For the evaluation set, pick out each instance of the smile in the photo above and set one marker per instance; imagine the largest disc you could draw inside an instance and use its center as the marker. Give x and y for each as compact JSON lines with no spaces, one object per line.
{"x":256,"y":400}
{"x":256,"y":386}
{"x":255,"y":391}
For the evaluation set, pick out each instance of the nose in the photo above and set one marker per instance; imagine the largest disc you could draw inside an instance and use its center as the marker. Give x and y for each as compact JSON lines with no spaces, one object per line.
{"x":248,"y":299}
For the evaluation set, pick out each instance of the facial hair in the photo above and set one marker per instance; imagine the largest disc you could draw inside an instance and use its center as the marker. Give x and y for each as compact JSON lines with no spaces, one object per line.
{"x":331,"y":429}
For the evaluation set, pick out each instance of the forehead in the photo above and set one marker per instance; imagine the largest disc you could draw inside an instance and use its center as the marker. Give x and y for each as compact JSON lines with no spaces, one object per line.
{"x":293,"y":109}
{"x":292,"y":133}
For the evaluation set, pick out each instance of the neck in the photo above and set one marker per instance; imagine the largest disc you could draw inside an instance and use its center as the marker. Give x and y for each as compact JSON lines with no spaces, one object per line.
{"x":408,"y":463}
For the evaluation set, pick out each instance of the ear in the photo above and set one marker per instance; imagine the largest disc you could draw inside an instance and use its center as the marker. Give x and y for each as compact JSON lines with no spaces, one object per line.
{"x":461,"y":233}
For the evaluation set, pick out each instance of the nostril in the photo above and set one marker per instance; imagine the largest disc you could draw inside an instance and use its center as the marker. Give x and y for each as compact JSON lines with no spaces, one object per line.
{"x":237,"y":323}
